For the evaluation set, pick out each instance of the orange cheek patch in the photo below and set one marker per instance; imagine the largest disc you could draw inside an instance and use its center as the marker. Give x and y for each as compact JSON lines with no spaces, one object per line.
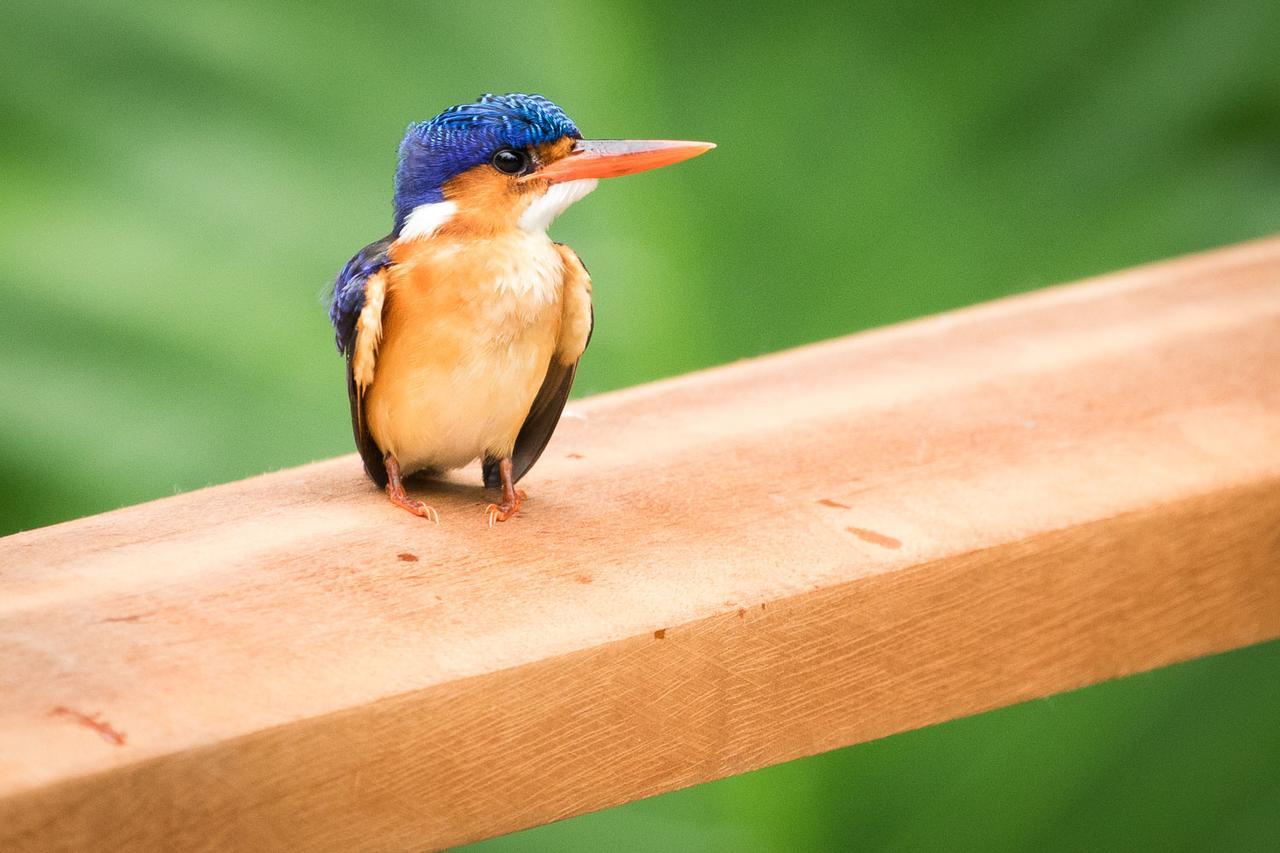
{"x":486,"y":199}
{"x":549,"y":152}
{"x":489,"y":201}
{"x":478,"y":186}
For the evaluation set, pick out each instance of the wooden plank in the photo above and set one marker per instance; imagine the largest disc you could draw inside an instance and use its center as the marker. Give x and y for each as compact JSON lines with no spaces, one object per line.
{"x":713,"y":574}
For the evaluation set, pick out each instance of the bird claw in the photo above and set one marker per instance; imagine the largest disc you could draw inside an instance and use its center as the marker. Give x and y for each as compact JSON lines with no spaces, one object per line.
{"x":496,"y":512}
{"x":418,"y":508}
{"x":421,"y":510}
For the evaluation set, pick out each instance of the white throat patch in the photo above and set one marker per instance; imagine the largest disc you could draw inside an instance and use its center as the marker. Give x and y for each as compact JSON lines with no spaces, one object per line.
{"x":426,"y":219}
{"x":538,"y":217}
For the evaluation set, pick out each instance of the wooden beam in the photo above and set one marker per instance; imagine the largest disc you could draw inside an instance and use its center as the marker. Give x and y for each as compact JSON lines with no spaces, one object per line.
{"x":713,"y":574}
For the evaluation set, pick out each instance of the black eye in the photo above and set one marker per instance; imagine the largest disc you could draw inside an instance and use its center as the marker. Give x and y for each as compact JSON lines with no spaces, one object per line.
{"x":509,"y":161}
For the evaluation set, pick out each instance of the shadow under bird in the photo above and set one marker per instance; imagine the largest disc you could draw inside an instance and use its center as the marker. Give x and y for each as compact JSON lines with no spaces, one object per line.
{"x":462,"y":328}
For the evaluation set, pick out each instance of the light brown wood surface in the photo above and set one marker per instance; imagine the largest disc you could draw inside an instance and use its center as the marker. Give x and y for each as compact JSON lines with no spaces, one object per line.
{"x":712,"y":574}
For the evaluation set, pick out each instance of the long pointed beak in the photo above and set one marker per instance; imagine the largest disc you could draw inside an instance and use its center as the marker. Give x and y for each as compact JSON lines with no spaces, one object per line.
{"x":610,"y":158}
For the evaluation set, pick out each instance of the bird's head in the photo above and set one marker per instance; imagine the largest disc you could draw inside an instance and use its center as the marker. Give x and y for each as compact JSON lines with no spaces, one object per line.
{"x":510,"y":161}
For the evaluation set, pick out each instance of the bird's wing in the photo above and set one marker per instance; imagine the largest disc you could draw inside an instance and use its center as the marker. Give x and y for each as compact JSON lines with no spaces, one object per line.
{"x":356,"y":314}
{"x":575,"y":334}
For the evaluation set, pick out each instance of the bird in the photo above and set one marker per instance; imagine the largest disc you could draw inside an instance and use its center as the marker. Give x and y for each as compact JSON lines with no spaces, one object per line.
{"x":462,"y":328}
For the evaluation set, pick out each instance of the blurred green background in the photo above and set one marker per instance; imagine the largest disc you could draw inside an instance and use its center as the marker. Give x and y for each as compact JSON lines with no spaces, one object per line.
{"x":179,"y":185}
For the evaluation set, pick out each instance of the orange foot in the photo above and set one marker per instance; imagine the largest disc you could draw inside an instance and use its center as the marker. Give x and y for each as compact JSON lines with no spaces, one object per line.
{"x":395,"y":491}
{"x":418,"y":508}
{"x":508,"y":508}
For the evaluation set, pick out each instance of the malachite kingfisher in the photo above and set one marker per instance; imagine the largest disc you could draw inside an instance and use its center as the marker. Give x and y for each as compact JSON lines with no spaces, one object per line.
{"x":462,"y":328}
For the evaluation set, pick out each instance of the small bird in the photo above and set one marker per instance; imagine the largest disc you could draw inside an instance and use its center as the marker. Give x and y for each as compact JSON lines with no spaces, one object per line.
{"x":462,"y":328}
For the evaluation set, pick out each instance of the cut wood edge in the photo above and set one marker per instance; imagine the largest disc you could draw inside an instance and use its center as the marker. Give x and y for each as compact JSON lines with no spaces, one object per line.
{"x":790,"y":678}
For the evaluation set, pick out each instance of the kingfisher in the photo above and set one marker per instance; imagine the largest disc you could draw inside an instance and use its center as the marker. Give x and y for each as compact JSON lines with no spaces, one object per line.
{"x":463,"y":327}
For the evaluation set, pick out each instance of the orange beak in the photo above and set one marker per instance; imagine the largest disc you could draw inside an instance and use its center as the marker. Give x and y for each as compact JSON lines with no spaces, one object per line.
{"x":609,"y":158}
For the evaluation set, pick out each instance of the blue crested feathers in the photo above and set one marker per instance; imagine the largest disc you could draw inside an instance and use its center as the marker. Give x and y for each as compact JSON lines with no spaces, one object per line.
{"x":432,"y":152}
{"x":467,"y":135}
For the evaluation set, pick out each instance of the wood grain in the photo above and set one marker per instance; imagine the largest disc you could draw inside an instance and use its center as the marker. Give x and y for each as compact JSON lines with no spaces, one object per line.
{"x":713,"y":573}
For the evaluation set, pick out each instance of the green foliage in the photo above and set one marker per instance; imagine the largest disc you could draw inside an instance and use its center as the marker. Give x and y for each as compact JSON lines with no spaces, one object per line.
{"x":180,"y":183}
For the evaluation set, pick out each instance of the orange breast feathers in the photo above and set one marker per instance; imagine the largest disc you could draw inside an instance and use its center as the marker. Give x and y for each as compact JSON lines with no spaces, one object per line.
{"x":455,"y":340}
{"x":575,"y":329}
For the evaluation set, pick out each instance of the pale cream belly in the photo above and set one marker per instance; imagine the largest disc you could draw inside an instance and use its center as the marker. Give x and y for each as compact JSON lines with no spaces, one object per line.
{"x":468,"y":330}
{"x":440,"y":413}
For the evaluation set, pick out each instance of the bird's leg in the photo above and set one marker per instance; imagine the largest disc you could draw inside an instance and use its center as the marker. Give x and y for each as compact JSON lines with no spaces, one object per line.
{"x":395,"y":491}
{"x":511,"y":496}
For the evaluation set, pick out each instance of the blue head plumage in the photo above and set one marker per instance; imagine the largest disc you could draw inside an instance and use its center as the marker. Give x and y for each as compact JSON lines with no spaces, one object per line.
{"x":463,"y":137}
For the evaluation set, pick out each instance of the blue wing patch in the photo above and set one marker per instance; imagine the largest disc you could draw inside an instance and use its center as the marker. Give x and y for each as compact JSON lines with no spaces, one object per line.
{"x":344,"y":310}
{"x":348,"y":291}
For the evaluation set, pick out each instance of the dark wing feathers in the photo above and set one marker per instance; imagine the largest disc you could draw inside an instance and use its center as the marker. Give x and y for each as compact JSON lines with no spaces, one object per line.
{"x":370,"y":454}
{"x":348,"y":292}
{"x":540,"y":423}
{"x":543,"y":417}
{"x":344,"y":309}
